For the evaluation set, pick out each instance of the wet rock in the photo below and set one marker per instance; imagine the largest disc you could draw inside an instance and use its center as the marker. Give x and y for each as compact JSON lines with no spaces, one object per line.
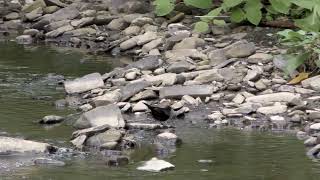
{"x":275,"y":97}
{"x":144,"y":126}
{"x":103,"y":115}
{"x":117,"y":161}
{"x":302,"y":135}
{"x":51,"y":119}
{"x":179,"y":67}
{"x":83,"y":84}
{"x":179,"y":91}
{"x":107,"y":98}
{"x":79,"y":141}
{"x":131,"y":89}
{"x":240,"y":49}
{"x":167,"y":139}
{"x":10,"y":145}
{"x":48,"y":162}
{"x":147,"y":63}
{"x":144,"y":95}
{"x":110,"y":136}
{"x":156,"y":165}
{"x":311,"y":141}
{"x":24,"y":39}
{"x":313,"y":151}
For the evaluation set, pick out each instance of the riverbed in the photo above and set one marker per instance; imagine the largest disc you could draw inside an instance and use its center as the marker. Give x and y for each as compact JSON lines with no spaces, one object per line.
{"x":29,"y":86}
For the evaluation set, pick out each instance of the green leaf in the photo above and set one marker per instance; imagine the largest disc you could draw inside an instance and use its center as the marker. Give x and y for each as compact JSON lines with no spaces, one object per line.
{"x":309,"y":23}
{"x":211,"y":15}
{"x":219,"y":22}
{"x":294,"y":61}
{"x":231,"y":3}
{"x":237,"y":15}
{"x":253,"y":11}
{"x":282,"y":6}
{"x":201,"y":27}
{"x":308,"y":4}
{"x":203,"y":4}
{"x":163,"y":7}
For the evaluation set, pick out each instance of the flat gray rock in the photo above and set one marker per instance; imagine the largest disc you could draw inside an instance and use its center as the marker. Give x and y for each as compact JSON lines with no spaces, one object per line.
{"x":179,"y":91}
{"x":132,"y":89}
{"x":147,"y":63}
{"x":103,"y":115}
{"x":83,"y":84}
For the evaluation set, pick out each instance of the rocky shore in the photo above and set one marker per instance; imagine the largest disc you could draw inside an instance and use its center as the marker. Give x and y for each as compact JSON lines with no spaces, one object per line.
{"x":233,"y":79}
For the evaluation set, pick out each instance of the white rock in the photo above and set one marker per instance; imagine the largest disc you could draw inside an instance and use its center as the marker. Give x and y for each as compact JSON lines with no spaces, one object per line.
{"x":275,"y":97}
{"x":276,"y":109}
{"x":85,"y":83}
{"x":167,"y":136}
{"x":238,"y":99}
{"x":315,"y":126}
{"x":156,"y":165}
{"x":139,"y":107}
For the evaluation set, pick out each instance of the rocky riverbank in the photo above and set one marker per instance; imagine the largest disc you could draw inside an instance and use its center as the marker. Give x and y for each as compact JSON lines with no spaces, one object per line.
{"x":230,"y":74}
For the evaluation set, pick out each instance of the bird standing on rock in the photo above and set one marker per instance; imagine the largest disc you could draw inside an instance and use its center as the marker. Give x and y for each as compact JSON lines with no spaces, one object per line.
{"x":160,"y":113}
{"x":164,"y":113}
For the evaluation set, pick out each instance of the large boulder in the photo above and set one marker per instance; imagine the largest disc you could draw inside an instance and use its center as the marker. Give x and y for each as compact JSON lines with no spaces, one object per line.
{"x":179,"y":91}
{"x":83,"y":84}
{"x":103,"y":115}
{"x":14,"y":145}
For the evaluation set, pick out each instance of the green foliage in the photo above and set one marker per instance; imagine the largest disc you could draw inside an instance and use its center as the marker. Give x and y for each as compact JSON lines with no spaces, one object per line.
{"x":303,"y":47}
{"x":305,"y":12}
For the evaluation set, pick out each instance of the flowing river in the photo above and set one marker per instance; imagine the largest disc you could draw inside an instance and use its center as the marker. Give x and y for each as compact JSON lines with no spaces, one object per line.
{"x":28,"y":89}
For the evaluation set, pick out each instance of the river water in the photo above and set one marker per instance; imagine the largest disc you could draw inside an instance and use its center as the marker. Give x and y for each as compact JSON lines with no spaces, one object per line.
{"x":28,"y":90}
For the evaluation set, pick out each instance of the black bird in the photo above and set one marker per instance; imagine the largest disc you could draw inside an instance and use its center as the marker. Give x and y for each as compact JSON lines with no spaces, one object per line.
{"x":160,"y":113}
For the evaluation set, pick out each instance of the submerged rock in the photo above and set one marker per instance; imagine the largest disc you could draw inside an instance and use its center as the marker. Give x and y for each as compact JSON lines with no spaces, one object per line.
{"x":47,"y":161}
{"x":51,"y":119}
{"x":156,"y":165}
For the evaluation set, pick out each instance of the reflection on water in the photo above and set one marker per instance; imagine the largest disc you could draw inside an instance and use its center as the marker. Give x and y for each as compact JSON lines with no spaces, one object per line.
{"x":29,"y":73}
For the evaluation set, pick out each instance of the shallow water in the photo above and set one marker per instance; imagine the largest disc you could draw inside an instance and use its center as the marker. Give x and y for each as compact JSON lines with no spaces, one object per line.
{"x":24,"y":74}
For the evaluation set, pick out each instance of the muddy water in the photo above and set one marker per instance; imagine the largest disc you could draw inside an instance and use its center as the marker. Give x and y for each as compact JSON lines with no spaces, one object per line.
{"x":28,"y":89}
